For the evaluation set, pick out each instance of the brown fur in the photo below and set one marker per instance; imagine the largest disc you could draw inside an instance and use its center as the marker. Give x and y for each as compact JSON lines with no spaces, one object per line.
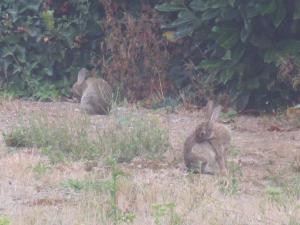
{"x":195,"y":153}
{"x":95,"y":93}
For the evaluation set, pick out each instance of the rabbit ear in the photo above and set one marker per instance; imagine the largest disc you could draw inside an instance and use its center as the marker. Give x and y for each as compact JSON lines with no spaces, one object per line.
{"x":82,"y":75}
{"x":209,"y":109}
{"x":215,"y":114}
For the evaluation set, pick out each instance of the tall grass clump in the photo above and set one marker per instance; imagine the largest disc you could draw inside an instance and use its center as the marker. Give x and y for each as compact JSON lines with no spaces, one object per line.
{"x":135,"y":136}
{"x":71,"y":137}
{"x":61,"y":137}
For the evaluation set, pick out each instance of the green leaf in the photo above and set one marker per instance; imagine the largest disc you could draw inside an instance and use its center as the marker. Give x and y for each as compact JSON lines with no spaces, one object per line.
{"x":210,"y":14}
{"x":201,"y":5}
{"x":198,"y":5}
{"x":296,"y":14}
{"x":289,"y":46}
{"x":261,"y":41}
{"x":7,"y":52}
{"x":270,"y":56}
{"x":252,"y":9}
{"x":246,"y":31}
{"x":184,"y":18}
{"x":210,"y":64}
{"x":30,"y":7}
{"x":48,"y":71}
{"x":229,"y":40}
{"x":17,"y":69}
{"x":169,"y":7}
{"x":48,"y":19}
{"x":237,"y":54}
{"x":280,"y":13}
{"x":20,"y":53}
{"x":231,"y":2}
{"x":227,"y":55}
{"x":252,"y":84}
{"x":226,"y":76}
{"x":227,"y":37}
{"x":184,"y":31}
{"x":268,"y":8}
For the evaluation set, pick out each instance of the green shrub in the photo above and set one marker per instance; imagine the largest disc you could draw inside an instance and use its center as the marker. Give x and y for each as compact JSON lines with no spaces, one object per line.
{"x":43,"y":43}
{"x":248,"y":49}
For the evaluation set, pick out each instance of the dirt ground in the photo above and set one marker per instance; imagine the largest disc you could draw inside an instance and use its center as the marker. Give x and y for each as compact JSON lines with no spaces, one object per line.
{"x":266,"y":150}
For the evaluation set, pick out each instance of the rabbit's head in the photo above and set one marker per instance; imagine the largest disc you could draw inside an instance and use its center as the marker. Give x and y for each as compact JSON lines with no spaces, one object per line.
{"x":204,"y":131}
{"x":80,"y":85}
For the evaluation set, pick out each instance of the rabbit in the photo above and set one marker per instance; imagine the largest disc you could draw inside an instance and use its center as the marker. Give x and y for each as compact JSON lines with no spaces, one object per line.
{"x":95,"y":94}
{"x":194,"y":153}
{"x":208,"y":134}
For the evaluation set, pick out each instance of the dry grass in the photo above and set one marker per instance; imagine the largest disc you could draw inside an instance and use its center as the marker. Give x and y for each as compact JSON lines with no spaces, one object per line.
{"x":263,"y":187}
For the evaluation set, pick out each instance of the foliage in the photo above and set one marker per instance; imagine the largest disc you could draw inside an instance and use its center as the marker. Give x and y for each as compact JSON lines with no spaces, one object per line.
{"x":166,"y":214}
{"x":248,"y":49}
{"x":43,"y":43}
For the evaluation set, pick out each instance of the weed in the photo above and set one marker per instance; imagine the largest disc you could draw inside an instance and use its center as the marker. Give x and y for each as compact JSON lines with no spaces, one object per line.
{"x":290,"y":185}
{"x":163,"y":211}
{"x":40,"y":168}
{"x":75,"y":185}
{"x":115,"y":213}
{"x":229,"y":115}
{"x":85,"y":185}
{"x":274,"y":193}
{"x":230,"y":185}
{"x":234,"y":151}
{"x":4,"y":220}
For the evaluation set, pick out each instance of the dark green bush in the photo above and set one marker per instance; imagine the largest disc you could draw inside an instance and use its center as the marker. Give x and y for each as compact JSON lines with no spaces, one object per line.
{"x":44,"y":42}
{"x":248,"y":49}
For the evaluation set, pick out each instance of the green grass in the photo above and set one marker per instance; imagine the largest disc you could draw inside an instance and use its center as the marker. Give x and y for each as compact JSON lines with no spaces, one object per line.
{"x":274,"y":193}
{"x":62,"y":137}
{"x":85,"y":185}
{"x":4,"y":220}
{"x":135,"y":137}
{"x":40,"y":169}
{"x":66,"y":137}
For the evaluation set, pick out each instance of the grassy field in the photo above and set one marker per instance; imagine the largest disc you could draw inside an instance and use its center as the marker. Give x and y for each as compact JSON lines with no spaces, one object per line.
{"x":58,"y":166}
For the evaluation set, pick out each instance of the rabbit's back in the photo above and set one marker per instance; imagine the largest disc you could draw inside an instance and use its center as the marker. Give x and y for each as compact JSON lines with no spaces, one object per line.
{"x":97,"y":97}
{"x":222,"y":135}
{"x":196,"y":153}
